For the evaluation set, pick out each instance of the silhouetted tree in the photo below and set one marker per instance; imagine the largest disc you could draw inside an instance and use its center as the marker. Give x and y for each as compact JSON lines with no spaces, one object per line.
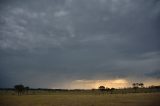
{"x":135,"y":86}
{"x":154,"y":87}
{"x":93,"y":89}
{"x":19,"y":89}
{"x":101,"y":88}
{"x":107,"y":89}
{"x":112,"y":89}
{"x":141,"y":85}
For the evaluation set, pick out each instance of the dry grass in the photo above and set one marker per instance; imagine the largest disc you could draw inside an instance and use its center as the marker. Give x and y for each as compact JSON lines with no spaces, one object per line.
{"x":139,"y":99}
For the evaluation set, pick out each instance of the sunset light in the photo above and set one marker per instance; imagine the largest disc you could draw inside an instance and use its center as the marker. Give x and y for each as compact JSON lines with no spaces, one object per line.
{"x":79,"y":52}
{"x":88,"y":84}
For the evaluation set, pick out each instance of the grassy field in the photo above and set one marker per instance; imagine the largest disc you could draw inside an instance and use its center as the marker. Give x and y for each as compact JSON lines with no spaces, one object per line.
{"x":132,"y":99}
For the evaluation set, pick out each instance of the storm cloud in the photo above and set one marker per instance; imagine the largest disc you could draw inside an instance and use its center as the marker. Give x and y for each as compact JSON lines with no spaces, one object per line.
{"x":49,"y":43}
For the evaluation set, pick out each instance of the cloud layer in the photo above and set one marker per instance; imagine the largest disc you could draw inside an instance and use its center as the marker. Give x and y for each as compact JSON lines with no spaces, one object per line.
{"x":53,"y":42}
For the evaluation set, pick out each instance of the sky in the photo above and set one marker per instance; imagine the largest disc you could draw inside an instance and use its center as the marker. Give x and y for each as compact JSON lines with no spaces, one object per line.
{"x":79,"y":43}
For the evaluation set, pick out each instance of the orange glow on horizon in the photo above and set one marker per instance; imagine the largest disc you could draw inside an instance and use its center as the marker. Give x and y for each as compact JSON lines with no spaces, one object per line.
{"x":114,"y":83}
{"x":88,"y":84}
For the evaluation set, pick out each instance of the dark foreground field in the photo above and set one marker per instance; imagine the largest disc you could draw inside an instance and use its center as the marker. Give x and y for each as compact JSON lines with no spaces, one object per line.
{"x":135,"y":99}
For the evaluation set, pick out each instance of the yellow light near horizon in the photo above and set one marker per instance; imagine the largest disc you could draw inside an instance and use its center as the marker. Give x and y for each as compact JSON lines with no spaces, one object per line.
{"x":118,"y":83}
{"x":88,"y":84}
{"x":150,"y":82}
{"x":114,"y":83}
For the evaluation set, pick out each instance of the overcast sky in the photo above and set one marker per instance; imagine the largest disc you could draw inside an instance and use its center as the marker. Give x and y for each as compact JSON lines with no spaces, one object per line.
{"x":53,"y":43}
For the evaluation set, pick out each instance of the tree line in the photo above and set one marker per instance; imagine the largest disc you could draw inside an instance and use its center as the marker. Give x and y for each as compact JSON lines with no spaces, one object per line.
{"x":21,"y":89}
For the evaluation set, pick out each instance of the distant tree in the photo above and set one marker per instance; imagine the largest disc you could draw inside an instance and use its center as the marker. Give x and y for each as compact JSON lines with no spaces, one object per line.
{"x":19,"y":89}
{"x":141,"y":85}
{"x":101,"y":88}
{"x":93,"y":89}
{"x":107,"y":89}
{"x":135,"y":86}
{"x":111,"y":90}
{"x":154,"y":87}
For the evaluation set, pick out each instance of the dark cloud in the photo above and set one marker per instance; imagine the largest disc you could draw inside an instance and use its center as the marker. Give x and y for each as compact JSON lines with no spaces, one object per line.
{"x":66,"y":40}
{"x":154,"y":74}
